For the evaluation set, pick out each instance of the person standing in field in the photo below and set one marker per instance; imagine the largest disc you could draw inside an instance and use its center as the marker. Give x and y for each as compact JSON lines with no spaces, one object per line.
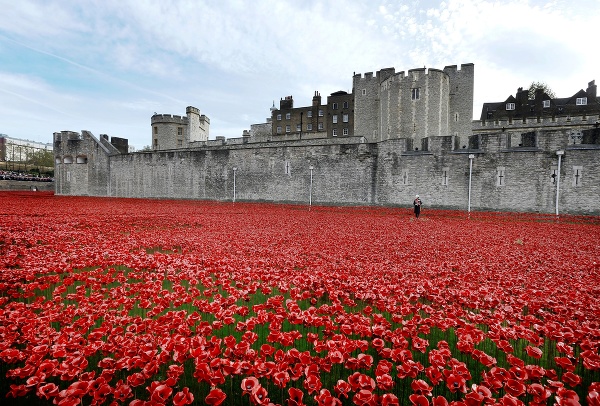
{"x":417,"y":203}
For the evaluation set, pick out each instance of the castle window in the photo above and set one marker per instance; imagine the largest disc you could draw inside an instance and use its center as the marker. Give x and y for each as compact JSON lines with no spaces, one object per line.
{"x":287,"y":129}
{"x":581,"y":101}
{"x":81,"y":159}
{"x":345,"y":131}
{"x":510,"y":106}
{"x":404,"y":179}
{"x":156,"y":143}
{"x":335,"y":106}
{"x":577,"y":175}
{"x":179,"y":130}
{"x":554,"y":174}
{"x":288,"y":116}
{"x":68,"y":176}
{"x":445,"y":172}
{"x":279,"y":117}
{"x":546,"y":103}
{"x":298,"y":127}
{"x":308,"y":127}
{"x":155,"y":130}
{"x":68,"y":159}
{"x":320,"y":113}
{"x":320,"y":126}
{"x":345,"y":118}
{"x":309,"y":113}
{"x":500,"y":176}
{"x":345,"y":104}
{"x":364,"y":92}
{"x":288,"y":170}
{"x":334,"y":117}
{"x":455,"y":116}
{"x":414,"y":93}
{"x":179,"y":143}
{"x":334,"y":133}
{"x":278,"y":129}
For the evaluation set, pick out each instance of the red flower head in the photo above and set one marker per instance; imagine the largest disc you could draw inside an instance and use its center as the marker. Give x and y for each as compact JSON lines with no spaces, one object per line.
{"x":259,"y":396}
{"x":215,"y":397}
{"x":593,"y":398}
{"x":378,"y":344}
{"x":571,"y":379}
{"x":312,"y":384}
{"x":518,"y":373}
{"x":363,"y":397}
{"x":336,"y":357}
{"x":535,"y":372}
{"x":514,"y":387}
{"x":421,"y":387}
{"x":566,"y":397}
{"x":281,"y":378}
{"x":534,"y":352}
{"x":418,"y":400}
{"x":389,"y":399}
{"x":434,"y":375}
{"x":295,"y":398}
{"x":161,"y":394}
{"x":342,"y":388}
{"x":565,"y":363}
{"x":47,"y":391}
{"x":185,"y":397}
{"x":248,"y":384}
{"x":385,"y":382}
{"x":456,"y":383}
{"x":509,"y":400}
{"x":324,"y":398}
{"x":539,"y":393}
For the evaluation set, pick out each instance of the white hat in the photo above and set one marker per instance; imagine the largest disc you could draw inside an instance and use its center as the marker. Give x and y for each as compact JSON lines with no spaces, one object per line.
{"x":417,"y":196}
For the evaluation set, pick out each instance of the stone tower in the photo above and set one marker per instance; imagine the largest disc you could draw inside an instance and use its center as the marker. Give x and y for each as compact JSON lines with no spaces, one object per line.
{"x":423,"y":103}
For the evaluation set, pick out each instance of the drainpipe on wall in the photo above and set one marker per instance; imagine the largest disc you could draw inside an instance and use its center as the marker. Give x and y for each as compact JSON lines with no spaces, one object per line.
{"x":471,"y":157}
{"x":560,"y":154}
{"x":234,"y":170}
{"x":310,"y":188}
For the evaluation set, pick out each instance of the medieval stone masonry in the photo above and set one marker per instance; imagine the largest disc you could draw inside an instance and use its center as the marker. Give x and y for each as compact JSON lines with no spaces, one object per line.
{"x":396,"y":135}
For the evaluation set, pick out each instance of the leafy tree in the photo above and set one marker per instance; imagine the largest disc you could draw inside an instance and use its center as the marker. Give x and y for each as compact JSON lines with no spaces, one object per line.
{"x":146,"y":148}
{"x":540,"y":85}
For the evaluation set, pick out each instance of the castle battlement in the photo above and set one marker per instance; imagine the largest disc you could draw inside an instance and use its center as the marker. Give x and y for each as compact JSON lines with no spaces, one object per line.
{"x":544,"y":122}
{"x":192,"y":109}
{"x":465,"y":67}
{"x":168,"y":118}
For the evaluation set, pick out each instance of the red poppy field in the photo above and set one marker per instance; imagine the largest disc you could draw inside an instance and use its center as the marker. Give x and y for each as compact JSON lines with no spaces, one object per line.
{"x":152,"y":302}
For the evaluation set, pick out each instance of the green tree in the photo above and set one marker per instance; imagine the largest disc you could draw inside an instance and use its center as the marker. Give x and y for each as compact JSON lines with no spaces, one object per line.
{"x":540,"y":85}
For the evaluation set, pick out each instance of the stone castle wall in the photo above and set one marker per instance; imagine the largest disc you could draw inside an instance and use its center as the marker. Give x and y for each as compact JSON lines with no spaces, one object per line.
{"x":348,"y":171}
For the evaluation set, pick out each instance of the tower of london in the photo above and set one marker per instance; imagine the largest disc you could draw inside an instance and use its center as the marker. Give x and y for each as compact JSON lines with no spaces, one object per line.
{"x":396,"y":134}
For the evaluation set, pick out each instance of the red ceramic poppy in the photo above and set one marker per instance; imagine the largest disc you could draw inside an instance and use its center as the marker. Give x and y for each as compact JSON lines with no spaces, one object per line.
{"x":418,"y":400}
{"x":215,"y":397}
{"x":295,"y":397}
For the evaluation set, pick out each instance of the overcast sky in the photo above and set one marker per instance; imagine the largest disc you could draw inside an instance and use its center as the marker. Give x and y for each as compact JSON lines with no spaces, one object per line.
{"x":106,"y":66}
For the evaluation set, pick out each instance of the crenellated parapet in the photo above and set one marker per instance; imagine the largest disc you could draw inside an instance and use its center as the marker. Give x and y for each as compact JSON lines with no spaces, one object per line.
{"x":414,"y":104}
{"x":168,"y":119}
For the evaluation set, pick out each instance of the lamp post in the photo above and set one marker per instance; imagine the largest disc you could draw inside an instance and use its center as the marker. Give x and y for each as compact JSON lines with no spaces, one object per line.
{"x":471,"y":157}
{"x":234,"y":170}
{"x":310,"y":188}
{"x":560,"y":154}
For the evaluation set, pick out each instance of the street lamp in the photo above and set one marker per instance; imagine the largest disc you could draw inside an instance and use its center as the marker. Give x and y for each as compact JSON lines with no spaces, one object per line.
{"x":311,"y":183}
{"x":560,"y":154}
{"x":234,"y":170}
{"x":471,"y":157}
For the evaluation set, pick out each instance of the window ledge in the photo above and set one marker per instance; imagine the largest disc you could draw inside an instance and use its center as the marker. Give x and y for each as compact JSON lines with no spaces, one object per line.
{"x":521,"y":149}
